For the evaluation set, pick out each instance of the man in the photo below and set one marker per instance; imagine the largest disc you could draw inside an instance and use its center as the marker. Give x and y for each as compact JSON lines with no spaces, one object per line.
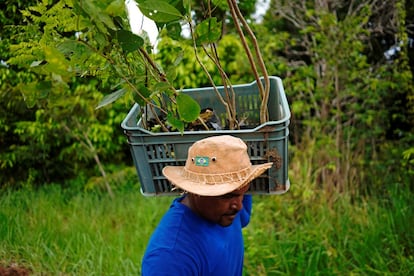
{"x":201,"y":234}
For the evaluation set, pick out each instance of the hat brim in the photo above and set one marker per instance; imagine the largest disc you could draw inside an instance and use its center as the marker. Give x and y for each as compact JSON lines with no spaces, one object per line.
{"x":175,"y":174}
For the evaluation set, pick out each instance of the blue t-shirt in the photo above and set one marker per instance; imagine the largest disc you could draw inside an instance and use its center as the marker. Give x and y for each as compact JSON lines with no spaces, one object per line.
{"x":186,"y":244}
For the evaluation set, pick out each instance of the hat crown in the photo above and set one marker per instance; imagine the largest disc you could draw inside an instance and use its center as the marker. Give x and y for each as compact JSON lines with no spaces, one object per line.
{"x":218,"y":155}
{"x":215,"y":166}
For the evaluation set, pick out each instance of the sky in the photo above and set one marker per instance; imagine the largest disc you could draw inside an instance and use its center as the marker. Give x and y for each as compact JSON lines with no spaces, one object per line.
{"x":140,"y":22}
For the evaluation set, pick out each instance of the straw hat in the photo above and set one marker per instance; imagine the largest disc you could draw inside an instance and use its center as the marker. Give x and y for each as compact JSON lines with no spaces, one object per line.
{"x":215,"y":166}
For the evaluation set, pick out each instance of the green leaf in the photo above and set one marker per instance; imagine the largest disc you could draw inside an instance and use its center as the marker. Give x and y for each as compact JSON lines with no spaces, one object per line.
{"x":179,"y":58}
{"x":222,"y":4}
{"x":174,"y":30}
{"x":174,"y":122}
{"x":69,"y":46}
{"x":97,"y":15}
{"x":76,"y":52}
{"x":208,"y":31}
{"x":187,"y":6}
{"x":159,"y":11}
{"x":57,"y":62}
{"x":111,"y":98}
{"x":160,"y":87}
{"x":171,"y":73}
{"x":188,"y":109}
{"x":116,"y":8}
{"x":129,"y":41}
{"x":29,"y":94}
{"x":43,"y":88}
{"x":142,"y":92}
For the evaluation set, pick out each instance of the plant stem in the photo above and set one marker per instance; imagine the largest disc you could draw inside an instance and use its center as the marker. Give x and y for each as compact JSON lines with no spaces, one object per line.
{"x":161,"y":75}
{"x":226,"y":105}
{"x":264,"y":92}
{"x":87,"y":143}
{"x":231,"y":99}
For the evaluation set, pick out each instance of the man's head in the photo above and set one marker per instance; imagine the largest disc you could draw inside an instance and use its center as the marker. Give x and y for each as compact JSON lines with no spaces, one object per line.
{"x":217,"y":168}
{"x":218,"y":209}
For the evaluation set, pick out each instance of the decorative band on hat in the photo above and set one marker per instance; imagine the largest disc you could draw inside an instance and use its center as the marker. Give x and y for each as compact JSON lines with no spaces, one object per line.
{"x":221,"y":178}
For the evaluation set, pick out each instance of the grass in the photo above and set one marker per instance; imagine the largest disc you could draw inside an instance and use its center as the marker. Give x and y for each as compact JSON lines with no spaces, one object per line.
{"x":289,"y":236}
{"x":53,"y":231}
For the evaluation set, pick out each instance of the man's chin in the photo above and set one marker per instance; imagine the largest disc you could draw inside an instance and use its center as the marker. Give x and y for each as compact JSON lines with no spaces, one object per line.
{"x":227,"y":220}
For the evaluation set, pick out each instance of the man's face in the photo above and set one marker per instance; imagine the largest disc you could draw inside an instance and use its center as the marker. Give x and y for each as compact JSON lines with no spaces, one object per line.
{"x":219,"y":209}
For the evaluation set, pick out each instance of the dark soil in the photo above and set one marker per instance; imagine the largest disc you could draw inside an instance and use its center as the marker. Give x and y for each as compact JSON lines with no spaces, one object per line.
{"x":14,"y":270}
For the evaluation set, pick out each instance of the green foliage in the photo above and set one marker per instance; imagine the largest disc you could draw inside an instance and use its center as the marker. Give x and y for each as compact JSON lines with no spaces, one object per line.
{"x":408,"y":162}
{"x":186,"y":107}
{"x":63,"y":231}
{"x":160,"y":11}
{"x":344,"y":104}
{"x":66,"y":58}
{"x":62,"y":81}
{"x":190,"y":73}
{"x":312,"y":238}
{"x":73,"y":57}
{"x":208,"y":31}
{"x":70,"y":57}
{"x":350,"y":207}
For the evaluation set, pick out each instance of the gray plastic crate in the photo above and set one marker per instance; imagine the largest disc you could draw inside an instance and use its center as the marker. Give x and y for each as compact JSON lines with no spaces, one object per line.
{"x":268,"y":142}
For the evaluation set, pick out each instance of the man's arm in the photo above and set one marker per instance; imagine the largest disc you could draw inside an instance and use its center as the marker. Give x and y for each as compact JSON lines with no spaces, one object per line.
{"x":166,"y":262}
{"x":246,"y":211}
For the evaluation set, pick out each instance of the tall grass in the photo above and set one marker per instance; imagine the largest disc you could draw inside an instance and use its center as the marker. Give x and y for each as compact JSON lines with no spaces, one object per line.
{"x":57,"y":232}
{"x":319,"y":236}
{"x":52,"y":232}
